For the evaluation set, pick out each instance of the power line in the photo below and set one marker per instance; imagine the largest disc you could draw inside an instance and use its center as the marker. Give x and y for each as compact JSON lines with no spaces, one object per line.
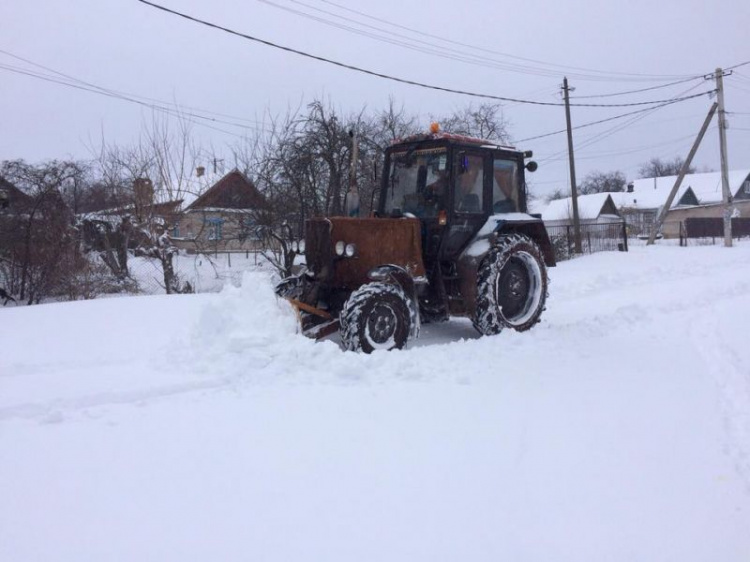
{"x":188,"y":116}
{"x":637,"y":91}
{"x":412,"y":43}
{"x":386,"y":76}
{"x":606,"y":120}
{"x":606,"y":75}
{"x":126,"y":94}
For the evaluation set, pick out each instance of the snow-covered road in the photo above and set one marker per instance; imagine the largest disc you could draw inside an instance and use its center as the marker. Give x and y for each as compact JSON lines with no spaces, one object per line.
{"x":203,"y":428}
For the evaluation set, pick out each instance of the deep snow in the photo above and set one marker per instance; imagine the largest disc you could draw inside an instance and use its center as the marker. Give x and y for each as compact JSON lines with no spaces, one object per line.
{"x":203,"y":427}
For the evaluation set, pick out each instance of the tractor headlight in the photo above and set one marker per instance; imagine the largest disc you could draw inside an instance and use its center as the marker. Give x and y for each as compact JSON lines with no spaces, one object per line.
{"x":340,"y":247}
{"x":294,"y":246}
{"x":301,"y":246}
{"x":350,"y":250}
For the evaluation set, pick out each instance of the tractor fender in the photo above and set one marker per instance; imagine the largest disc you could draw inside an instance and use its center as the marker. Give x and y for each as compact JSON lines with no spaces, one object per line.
{"x":397,"y":275}
{"x":512,"y":223}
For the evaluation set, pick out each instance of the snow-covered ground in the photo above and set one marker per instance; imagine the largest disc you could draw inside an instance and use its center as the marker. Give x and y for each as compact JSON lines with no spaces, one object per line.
{"x":202,"y":427}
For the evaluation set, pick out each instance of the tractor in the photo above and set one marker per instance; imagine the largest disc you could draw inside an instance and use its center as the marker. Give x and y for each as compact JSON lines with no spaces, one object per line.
{"x":450,"y":236}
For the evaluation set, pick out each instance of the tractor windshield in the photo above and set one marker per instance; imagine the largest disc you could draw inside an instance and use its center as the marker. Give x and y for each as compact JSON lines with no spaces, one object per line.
{"x":417,"y":183}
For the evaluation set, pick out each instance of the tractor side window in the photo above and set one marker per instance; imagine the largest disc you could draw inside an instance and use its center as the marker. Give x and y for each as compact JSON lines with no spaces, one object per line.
{"x":469,"y":188}
{"x":504,"y":186}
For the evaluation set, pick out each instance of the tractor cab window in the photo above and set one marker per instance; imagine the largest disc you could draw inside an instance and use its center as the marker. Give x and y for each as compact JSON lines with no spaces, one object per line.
{"x":469,"y":185}
{"x":417,"y":183}
{"x":504,"y":186}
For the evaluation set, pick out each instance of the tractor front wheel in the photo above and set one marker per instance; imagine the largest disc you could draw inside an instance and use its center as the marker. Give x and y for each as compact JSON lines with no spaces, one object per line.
{"x":375,"y":316}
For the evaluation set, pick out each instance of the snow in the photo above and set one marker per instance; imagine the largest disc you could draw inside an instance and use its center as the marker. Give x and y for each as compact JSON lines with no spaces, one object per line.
{"x":204,"y":427}
{"x":589,"y":208}
{"x":492,"y":221}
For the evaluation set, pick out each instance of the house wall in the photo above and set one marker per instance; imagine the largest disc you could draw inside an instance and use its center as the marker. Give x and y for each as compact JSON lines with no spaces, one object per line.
{"x":214,"y":231}
{"x":639,"y":221}
{"x":671,"y":227}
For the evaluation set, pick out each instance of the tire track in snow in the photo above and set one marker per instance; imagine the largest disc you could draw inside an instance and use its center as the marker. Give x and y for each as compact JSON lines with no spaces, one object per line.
{"x":733,"y":381}
{"x":55,"y":410}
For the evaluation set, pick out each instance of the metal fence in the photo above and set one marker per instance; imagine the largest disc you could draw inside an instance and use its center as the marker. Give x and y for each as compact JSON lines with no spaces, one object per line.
{"x":594,"y":238}
{"x":711,"y":229}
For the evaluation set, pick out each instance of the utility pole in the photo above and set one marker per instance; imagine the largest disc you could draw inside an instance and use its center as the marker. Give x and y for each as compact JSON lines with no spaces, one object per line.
{"x":724,"y":165}
{"x":571,"y":158}
{"x":352,"y":196}
{"x":683,"y":171}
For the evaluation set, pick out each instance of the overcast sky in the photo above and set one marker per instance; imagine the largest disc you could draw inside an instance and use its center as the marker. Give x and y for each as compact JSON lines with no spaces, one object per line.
{"x":523,"y":48}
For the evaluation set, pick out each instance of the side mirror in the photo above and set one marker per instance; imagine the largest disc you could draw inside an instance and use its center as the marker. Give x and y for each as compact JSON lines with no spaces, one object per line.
{"x":532,"y":166}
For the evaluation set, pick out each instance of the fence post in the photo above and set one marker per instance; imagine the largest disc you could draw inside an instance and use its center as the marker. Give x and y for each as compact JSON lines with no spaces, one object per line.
{"x":625,"y":235}
{"x":588,"y":238}
{"x":229,"y":259}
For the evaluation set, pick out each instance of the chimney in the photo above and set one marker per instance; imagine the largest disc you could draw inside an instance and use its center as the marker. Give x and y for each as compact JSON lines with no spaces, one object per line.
{"x":630,"y":187}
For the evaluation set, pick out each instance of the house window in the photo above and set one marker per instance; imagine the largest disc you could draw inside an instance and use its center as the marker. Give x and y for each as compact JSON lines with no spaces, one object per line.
{"x":213,"y":228}
{"x":746,"y":186}
{"x":176,"y":230}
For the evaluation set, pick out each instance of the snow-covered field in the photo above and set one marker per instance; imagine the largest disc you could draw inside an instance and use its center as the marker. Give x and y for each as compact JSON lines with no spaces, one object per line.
{"x":202,"y":427}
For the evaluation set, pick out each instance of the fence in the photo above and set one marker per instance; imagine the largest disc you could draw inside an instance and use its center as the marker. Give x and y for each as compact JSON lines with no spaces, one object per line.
{"x":610,"y":237}
{"x":204,"y":272}
{"x":711,"y":228}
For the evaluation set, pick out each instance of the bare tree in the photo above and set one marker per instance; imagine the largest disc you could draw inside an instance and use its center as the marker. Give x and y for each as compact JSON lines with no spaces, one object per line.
{"x":485,"y":121}
{"x":656,"y":168}
{"x":39,"y":249}
{"x":601,"y":182}
{"x":558,"y":193}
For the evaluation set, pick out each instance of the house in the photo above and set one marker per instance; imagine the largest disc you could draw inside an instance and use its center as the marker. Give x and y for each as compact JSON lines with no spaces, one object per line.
{"x":223,"y":219}
{"x":596,"y":208}
{"x":700,"y":195}
{"x":12,"y":199}
{"x":708,"y":190}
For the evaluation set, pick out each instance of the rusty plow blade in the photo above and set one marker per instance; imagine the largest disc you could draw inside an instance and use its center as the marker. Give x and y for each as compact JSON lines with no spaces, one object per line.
{"x":315,"y":322}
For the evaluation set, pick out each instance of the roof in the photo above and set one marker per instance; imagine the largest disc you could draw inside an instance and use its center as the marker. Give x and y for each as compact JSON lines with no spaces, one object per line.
{"x":233,"y":191}
{"x":14,"y":197}
{"x":451,"y":137}
{"x":589,"y":207}
{"x":652,"y":193}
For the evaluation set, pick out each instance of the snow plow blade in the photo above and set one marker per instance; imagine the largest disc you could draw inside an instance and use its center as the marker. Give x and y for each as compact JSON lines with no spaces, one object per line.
{"x":310,"y":320}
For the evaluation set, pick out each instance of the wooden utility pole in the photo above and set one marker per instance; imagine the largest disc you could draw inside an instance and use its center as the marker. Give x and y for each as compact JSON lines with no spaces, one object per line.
{"x":571,"y":159}
{"x":724,"y":165}
{"x":683,"y":171}
{"x":352,"y":196}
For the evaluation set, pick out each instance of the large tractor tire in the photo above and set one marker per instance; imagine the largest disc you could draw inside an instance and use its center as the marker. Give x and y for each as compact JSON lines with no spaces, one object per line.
{"x":511,"y":286}
{"x":376,"y":316}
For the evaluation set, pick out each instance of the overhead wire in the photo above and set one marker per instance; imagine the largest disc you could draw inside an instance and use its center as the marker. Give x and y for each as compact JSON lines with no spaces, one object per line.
{"x":609,"y":132}
{"x":413,"y":43}
{"x":387,"y":76}
{"x":598,"y":122}
{"x":188,"y":116}
{"x":606,"y":75}
{"x":128,"y":94}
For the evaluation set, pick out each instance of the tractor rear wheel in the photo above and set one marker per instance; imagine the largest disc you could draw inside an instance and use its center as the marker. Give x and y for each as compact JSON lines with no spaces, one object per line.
{"x":375,"y":316}
{"x":511,"y":286}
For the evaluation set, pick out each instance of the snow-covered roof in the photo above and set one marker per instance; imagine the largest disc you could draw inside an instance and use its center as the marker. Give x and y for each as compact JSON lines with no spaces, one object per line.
{"x":589,"y":207}
{"x":652,"y":193}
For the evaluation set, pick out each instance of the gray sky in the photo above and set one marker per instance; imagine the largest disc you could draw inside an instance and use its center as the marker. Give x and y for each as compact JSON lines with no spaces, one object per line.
{"x":604,"y":47}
